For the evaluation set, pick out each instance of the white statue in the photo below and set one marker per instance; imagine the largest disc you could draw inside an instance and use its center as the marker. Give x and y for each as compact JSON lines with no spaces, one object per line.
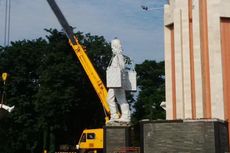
{"x":7,"y":108}
{"x":116,"y":75}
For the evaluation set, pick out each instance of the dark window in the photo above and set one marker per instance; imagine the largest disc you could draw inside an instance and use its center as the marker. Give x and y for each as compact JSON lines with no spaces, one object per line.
{"x":90,"y":135}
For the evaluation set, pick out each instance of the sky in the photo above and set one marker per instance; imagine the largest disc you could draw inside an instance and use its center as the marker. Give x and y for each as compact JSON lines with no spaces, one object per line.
{"x":141,"y":32}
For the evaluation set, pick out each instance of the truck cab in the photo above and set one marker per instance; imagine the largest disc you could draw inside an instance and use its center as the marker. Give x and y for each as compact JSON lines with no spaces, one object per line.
{"x":91,"y":138}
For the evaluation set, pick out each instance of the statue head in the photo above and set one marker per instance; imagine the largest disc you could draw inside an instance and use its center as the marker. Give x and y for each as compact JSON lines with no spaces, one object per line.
{"x":116,"y":46}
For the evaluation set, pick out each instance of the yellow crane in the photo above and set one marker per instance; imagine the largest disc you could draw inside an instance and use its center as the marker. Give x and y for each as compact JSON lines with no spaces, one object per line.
{"x":91,"y":139}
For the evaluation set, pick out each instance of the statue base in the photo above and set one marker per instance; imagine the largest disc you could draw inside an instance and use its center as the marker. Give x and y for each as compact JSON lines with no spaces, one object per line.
{"x":198,"y":136}
{"x":116,"y":138}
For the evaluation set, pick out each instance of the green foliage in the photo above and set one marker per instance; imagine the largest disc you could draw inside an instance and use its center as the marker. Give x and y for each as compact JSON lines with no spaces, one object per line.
{"x":54,"y":100}
{"x":151,"y":83}
{"x":21,"y":60}
{"x":53,"y":97}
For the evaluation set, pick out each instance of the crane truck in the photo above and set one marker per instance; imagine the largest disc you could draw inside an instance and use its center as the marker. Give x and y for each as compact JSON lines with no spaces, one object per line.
{"x":91,"y":139}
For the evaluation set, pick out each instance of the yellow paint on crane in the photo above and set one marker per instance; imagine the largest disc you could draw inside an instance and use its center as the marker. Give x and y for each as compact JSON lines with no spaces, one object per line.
{"x":91,"y":138}
{"x":92,"y":74}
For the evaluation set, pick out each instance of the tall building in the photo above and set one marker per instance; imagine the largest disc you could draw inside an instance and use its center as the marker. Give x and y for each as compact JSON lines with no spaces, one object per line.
{"x":197,"y":59}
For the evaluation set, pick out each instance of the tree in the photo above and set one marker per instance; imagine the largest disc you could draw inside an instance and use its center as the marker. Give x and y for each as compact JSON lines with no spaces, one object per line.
{"x":53,"y":96}
{"x":21,"y":61}
{"x":65,"y":85}
{"x":151,"y":83}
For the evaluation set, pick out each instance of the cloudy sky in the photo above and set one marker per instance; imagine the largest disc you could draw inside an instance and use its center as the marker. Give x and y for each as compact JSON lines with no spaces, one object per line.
{"x":141,"y":32}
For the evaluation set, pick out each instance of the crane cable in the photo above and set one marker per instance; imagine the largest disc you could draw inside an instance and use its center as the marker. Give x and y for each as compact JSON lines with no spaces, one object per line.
{"x":7,"y":23}
{"x":6,"y":41}
{"x":3,"y":97}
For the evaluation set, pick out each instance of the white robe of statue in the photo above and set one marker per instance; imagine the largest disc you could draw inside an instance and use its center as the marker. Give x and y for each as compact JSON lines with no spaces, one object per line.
{"x":118,"y":93}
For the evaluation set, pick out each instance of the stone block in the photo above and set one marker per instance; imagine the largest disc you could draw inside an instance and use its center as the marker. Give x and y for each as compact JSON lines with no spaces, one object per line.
{"x":116,"y":137}
{"x":184,"y":136}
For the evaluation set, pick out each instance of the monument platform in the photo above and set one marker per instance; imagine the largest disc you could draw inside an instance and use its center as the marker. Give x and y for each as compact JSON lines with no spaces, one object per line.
{"x":190,"y":136}
{"x":116,"y":137}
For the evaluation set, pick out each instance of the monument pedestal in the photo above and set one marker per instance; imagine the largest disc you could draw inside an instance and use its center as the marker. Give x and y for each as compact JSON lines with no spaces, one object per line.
{"x":115,"y":138}
{"x":192,"y":136}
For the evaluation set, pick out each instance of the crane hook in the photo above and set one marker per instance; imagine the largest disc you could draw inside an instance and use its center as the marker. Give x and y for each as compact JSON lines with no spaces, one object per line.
{"x":4,"y":77}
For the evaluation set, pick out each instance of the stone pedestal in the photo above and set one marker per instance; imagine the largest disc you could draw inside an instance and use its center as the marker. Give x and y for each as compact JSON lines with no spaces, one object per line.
{"x":115,"y":138}
{"x":190,"y":136}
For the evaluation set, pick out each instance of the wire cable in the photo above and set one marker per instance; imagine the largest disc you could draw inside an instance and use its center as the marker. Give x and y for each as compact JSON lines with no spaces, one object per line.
{"x":9,"y":17}
{"x":7,"y":23}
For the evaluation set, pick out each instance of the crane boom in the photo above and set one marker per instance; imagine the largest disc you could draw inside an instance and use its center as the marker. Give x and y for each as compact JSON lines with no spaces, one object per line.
{"x":82,"y":56}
